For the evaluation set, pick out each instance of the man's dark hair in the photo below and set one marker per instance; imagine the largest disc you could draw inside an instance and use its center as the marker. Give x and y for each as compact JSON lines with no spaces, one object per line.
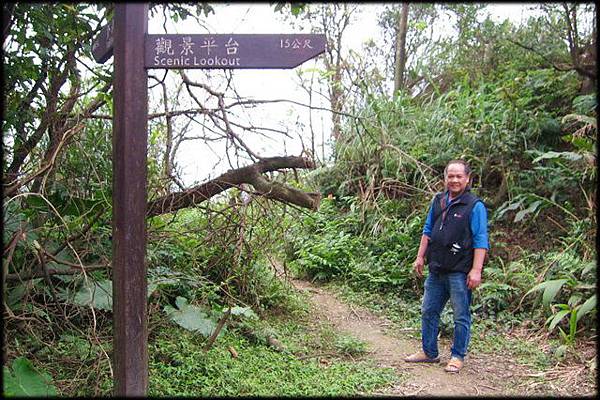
{"x":461,"y":162}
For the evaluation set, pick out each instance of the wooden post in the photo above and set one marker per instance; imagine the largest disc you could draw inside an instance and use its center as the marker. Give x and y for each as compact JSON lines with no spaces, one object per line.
{"x":130,"y":123}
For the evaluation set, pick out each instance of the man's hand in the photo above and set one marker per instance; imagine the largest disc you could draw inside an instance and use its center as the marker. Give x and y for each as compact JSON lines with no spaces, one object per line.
{"x":420,"y":260}
{"x":418,"y":265}
{"x":473,"y":279}
{"x":474,"y":276}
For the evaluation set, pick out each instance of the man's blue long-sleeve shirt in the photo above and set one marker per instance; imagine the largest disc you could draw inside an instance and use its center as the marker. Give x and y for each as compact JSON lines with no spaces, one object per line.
{"x":478,"y":224}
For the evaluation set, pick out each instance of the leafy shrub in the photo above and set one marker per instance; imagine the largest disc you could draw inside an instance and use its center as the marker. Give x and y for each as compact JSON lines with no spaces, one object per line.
{"x":22,"y":379}
{"x":585,"y":105}
{"x":503,"y":286}
{"x":211,"y":257}
{"x":328,"y":257}
{"x":511,"y":128}
{"x":369,"y":248}
{"x":567,"y":290}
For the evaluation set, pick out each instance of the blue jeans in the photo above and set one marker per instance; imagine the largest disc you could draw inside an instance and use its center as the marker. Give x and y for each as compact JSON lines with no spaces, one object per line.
{"x":439,"y":287}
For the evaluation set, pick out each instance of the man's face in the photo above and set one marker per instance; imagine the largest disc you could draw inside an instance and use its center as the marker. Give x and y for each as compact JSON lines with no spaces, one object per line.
{"x":456,"y":179}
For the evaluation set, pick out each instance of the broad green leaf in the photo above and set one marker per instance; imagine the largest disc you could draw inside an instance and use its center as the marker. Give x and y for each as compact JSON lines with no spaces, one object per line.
{"x":97,"y":294}
{"x":509,"y":207}
{"x":14,"y":296}
{"x":244,"y":311}
{"x":549,"y":154}
{"x":585,"y":286}
{"x":25,"y":380}
{"x":152,"y":286}
{"x":574,"y":300}
{"x":37,"y":202}
{"x":563,"y":335}
{"x":539,"y":286}
{"x":13,"y":219}
{"x":62,"y":267}
{"x":586,"y":307}
{"x":580,"y":118}
{"x":513,"y":206}
{"x":573,"y":324}
{"x":181,"y":302}
{"x":568,"y":155}
{"x":552,"y":289}
{"x":190,"y":317}
{"x":557,"y":318}
{"x":532,"y":208}
{"x":11,"y":387}
{"x":584,"y":104}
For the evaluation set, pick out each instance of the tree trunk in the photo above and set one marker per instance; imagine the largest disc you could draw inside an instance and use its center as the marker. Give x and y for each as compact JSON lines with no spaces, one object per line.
{"x":335,"y":18}
{"x":167,"y":165}
{"x":401,"y":50}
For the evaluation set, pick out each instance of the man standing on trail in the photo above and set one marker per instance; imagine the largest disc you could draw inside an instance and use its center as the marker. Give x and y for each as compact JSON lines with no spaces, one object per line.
{"x":454,"y":243}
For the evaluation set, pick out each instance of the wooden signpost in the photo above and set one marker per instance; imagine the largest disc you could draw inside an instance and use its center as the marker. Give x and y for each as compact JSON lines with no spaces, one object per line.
{"x":135,"y":51}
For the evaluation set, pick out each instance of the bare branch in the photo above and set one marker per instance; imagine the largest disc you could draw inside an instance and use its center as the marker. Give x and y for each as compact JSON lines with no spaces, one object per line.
{"x":220,"y":97}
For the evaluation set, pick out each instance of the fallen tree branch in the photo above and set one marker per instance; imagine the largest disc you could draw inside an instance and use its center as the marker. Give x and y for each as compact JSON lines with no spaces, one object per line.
{"x":250,"y":175}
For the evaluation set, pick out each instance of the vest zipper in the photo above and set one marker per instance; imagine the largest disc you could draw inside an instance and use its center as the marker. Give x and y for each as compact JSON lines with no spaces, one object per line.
{"x":444,"y":213}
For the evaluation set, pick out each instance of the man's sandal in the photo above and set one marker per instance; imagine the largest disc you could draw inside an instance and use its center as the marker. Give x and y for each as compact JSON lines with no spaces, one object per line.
{"x":454,"y":365}
{"x":421,"y":357}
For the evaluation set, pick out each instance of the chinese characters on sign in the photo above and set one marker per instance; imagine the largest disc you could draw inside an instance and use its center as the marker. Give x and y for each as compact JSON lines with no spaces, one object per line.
{"x":295,"y":44}
{"x":231,"y":51}
{"x":163,"y":46}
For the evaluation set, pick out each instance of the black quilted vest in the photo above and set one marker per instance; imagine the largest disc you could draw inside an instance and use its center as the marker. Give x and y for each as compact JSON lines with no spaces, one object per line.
{"x":450,"y":248}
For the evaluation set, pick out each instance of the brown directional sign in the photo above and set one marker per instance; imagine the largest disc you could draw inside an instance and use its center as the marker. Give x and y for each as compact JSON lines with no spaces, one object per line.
{"x":102,"y":48}
{"x":229,"y":51}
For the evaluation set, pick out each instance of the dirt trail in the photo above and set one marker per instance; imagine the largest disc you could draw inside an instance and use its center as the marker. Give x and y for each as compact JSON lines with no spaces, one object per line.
{"x":481,"y":375}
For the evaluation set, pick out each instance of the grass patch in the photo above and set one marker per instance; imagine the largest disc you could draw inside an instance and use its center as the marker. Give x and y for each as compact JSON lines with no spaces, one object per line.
{"x":349,"y":345}
{"x":180,"y":367}
{"x":317,"y":361}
